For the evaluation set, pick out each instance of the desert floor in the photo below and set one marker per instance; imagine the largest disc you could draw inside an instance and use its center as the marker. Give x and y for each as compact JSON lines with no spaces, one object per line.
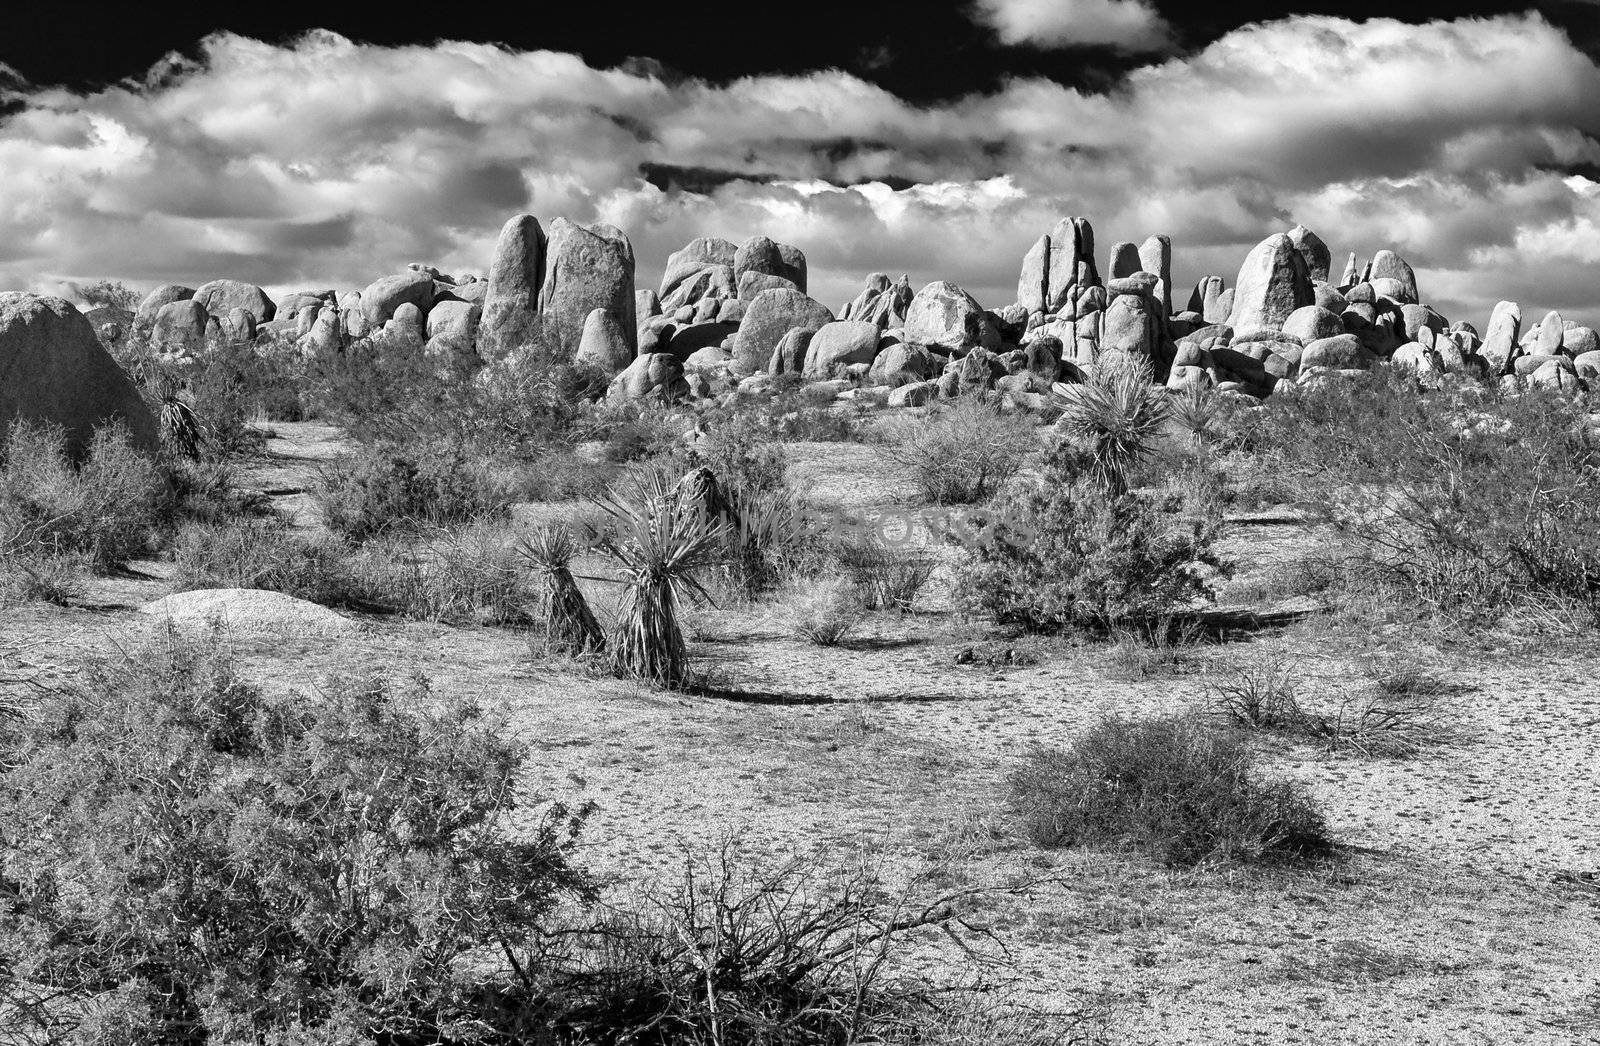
{"x":1463,"y":909}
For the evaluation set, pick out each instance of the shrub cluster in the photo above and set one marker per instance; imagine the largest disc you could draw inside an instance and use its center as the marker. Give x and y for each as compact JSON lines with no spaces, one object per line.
{"x":1172,"y":788}
{"x":963,"y":452}
{"x":1468,"y":502}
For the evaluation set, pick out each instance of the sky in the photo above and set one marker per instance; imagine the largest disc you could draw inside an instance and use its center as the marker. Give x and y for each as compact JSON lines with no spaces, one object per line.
{"x":937,"y":140}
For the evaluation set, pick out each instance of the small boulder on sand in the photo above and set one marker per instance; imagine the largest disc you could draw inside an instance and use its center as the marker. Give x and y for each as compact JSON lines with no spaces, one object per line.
{"x":248,"y":609}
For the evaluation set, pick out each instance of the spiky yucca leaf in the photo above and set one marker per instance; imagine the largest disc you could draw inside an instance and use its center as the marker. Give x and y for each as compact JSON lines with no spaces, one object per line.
{"x":1198,"y":412}
{"x":660,"y":543}
{"x":570,"y":624}
{"x":1119,"y":416}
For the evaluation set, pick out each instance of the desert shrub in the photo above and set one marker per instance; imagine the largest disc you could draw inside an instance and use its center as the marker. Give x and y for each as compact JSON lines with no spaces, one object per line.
{"x":112,"y":294}
{"x":396,"y":396}
{"x":108,"y":509}
{"x":1169,"y":787}
{"x":1262,"y":694}
{"x":562,"y":474}
{"x":793,"y":412}
{"x":822,"y":611}
{"x":29,"y":575}
{"x":741,"y":452}
{"x":408,"y":486}
{"x":1152,"y":649}
{"x":1466,"y":503}
{"x":261,"y":553}
{"x":457,"y":575}
{"x":962,"y":452}
{"x":744,"y":955}
{"x":189,"y":860}
{"x":887,"y":575}
{"x":1066,"y":553}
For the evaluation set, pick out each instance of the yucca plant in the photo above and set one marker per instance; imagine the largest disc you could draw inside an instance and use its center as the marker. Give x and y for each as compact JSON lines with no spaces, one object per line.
{"x":1197,"y":412}
{"x":660,"y":543}
{"x":181,"y":431}
{"x":570,"y":625}
{"x":1118,"y":416}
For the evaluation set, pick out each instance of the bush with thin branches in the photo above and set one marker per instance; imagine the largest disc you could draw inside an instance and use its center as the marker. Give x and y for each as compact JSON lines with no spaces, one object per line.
{"x":1172,"y":788}
{"x":963,"y":452}
{"x":822,"y":611}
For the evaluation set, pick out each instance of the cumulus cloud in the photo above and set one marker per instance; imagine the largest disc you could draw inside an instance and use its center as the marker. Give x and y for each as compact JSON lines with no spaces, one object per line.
{"x":1128,"y":25}
{"x":327,"y":163}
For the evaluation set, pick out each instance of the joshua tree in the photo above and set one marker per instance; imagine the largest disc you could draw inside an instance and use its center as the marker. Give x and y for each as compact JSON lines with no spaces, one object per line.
{"x":661,"y":542}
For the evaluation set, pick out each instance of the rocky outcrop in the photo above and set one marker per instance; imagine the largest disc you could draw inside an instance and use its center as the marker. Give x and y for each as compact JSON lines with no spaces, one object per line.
{"x":54,"y":371}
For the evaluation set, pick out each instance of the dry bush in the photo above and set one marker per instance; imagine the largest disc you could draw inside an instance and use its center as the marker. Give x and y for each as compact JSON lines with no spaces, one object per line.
{"x":456,"y":575}
{"x":1170,"y":787}
{"x":1260,"y":695}
{"x":822,"y":611}
{"x":963,"y":452}
{"x":412,"y":486}
{"x":109,"y":508}
{"x":888,"y":575}
{"x":1152,"y":650}
{"x":736,"y":955}
{"x":265,"y":554}
{"x":208,"y":863}
{"x":1466,"y":504}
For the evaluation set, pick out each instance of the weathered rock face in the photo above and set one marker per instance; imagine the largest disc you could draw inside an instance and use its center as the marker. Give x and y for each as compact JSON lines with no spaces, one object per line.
{"x":789,"y":357}
{"x":180,"y":328}
{"x":839,"y":344}
{"x":1313,"y":323}
{"x":1124,"y":261}
{"x":900,"y":364}
{"x":696,"y":257}
{"x":658,"y":375}
{"x":455,"y":319}
{"x":1155,"y":257}
{"x":221,"y":296}
{"x":1500,"y":340}
{"x":1272,"y":284}
{"x":54,"y":371}
{"x":1344,"y":352}
{"x":753,"y":283}
{"x":387,"y":293}
{"x":511,"y":296}
{"x":769,"y":316}
{"x":585,"y":269}
{"x":1315,"y":253}
{"x":1058,"y":268}
{"x":1387,"y":265}
{"x":604,"y":344}
{"x":943,"y":314}
{"x":144,"y":318}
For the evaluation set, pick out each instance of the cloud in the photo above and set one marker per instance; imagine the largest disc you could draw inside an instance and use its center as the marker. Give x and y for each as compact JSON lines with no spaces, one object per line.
{"x":1128,"y":25}
{"x":328,"y":163}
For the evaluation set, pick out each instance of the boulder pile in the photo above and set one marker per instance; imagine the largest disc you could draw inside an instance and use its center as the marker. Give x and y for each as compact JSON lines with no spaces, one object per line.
{"x":732,"y":319}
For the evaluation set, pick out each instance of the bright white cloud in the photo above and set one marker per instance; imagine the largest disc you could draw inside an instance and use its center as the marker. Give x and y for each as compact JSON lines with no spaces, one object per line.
{"x":1127,"y":25}
{"x":329,"y":163}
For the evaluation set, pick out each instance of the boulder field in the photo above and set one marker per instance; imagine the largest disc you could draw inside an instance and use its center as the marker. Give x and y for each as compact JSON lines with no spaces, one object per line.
{"x":732,"y":318}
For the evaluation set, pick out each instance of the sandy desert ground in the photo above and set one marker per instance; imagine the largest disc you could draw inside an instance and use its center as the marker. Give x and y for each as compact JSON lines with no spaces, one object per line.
{"x":1464,"y":907}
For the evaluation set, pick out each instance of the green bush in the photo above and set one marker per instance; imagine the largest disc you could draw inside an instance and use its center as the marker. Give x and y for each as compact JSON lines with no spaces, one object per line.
{"x":409,"y":486}
{"x":962,"y":452}
{"x":1067,"y":553}
{"x":1173,"y":788}
{"x":185,"y":859}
